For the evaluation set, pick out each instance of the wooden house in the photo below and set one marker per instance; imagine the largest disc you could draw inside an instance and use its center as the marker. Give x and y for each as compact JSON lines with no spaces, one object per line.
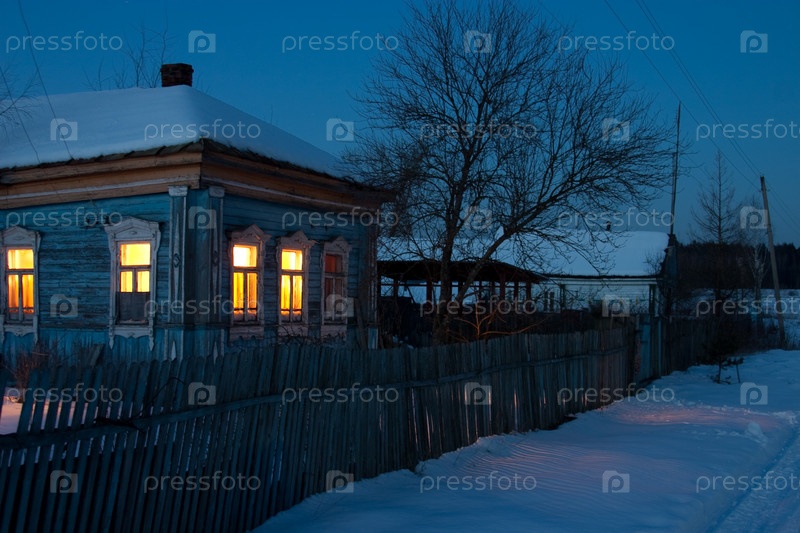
{"x":158,"y":223}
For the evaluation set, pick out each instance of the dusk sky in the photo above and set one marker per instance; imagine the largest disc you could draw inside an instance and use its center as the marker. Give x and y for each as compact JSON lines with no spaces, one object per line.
{"x":734,"y":66}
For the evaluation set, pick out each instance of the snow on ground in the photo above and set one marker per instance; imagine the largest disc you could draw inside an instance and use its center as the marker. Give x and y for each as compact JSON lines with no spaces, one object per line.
{"x":690,"y":455}
{"x":9,"y":416}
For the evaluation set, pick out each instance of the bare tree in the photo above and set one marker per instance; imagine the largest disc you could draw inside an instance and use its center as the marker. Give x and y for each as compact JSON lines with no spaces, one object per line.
{"x":141,"y":67}
{"x":12,"y":94}
{"x":718,"y":217}
{"x":718,"y":223}
{"x":489,"y":132}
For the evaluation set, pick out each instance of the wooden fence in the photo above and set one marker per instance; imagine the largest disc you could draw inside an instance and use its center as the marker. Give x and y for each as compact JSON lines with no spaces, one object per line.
{"x":224,"y":444}
{"x":688,"y":341}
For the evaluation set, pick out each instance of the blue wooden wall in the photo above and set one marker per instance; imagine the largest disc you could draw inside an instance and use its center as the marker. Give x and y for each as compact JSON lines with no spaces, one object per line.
{"x":74,"y":262}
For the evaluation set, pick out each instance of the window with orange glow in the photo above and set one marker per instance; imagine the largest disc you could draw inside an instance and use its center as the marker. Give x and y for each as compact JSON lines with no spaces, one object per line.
{"x":134,"y":272}
{"x":292,"y":285}
{"x":245,"y":282}
{"x":134,"y":282}
{"x":19,"y":280}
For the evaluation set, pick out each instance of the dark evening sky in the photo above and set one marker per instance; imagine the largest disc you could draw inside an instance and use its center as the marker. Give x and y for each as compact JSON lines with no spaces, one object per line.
{"x":733,"y":65}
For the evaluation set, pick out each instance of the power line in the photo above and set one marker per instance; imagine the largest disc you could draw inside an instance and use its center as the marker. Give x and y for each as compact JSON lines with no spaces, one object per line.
{"x":41,"y":79}
{"x":789,"y":216}
{"x":707,"y":104}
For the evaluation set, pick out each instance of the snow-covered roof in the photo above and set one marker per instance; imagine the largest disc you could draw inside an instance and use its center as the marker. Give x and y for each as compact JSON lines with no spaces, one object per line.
{"x":103,"y":123}
{"x":624,"y":254}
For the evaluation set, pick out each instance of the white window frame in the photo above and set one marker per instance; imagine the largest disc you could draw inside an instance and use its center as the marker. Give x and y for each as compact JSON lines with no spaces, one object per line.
{"x":295,"y":241}
{"x":127,"y":231}
{"x":250,"y":236}
{"x":19,"y":237}
{"x":340,"y":247}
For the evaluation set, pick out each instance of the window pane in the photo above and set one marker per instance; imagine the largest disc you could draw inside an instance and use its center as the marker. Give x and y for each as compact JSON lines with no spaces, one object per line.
{"x":126,"y":281}
{"x":252,"y":293}
{"x":13,"y":293}
{"x":135,"y":254}
{"x":27,"y":293}
{"x":292,"y":260}
{"x":20,"y":258}
{"x":339,"y":286}
{"x":333,"y":264}
{"x":143,"y":281}
{"x":297,"y":294}
{"x":245,"y":256}
{"x":238,"y":291}
{"x":286,"y":292}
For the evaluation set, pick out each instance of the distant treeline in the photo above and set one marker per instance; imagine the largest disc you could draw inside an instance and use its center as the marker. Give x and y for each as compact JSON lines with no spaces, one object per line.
{"x":705,"y":265}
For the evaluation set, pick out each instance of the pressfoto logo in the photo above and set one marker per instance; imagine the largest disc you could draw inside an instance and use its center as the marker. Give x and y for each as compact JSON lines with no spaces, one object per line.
{"x":63,"y":482}
{"x":477,"y":394}
{"x":476,"y":218}
{"x":615,"y":130}
{"x":340,"y":130}
{"x":338,"y":481}
{"x":615,"y":306}
{"x":752,"y":42}
{"x":752,"y":218}
{"x":63,"y":130}
{"x":62,"y":306}
{"x":478,"y":42}
{"x":338,"y":307}
{"x":201,"y":42}
{"x":616,"y":482}
{"x":201,"y":218}
{"x":202,"y":394}
{"x":752,"y":394}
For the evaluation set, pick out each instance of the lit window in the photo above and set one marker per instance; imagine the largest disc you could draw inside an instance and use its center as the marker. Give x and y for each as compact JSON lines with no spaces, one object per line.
{"x":20,"y":282}
{"x":245,"y":282}
{"x":134,"y":281}
{"x":291,"y":285}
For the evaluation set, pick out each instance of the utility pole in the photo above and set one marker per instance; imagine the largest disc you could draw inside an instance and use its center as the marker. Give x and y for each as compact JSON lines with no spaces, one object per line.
{"x":778,"y":306}
{"x":675,"y":172}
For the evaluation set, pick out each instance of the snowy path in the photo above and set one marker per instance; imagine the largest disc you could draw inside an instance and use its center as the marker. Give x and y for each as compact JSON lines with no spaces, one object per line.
{"x":672,"y":461}
{"x":769,"y":511}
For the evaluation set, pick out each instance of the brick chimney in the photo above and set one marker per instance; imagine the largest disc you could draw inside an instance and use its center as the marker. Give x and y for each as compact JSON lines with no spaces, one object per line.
{"x":176,"y":74}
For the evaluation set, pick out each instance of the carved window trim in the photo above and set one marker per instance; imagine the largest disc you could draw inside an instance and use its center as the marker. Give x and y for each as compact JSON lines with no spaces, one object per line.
{"x":126,"y":231}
